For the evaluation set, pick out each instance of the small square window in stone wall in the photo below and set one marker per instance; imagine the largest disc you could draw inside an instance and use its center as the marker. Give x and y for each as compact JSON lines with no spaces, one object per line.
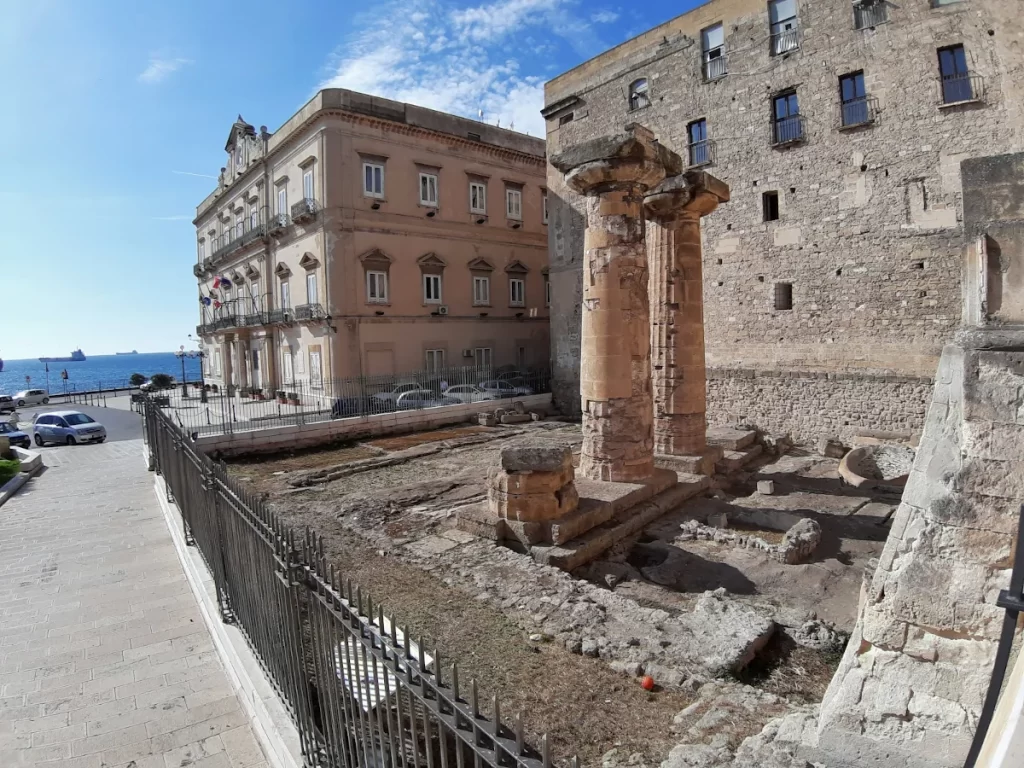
{"x":770,"y":203}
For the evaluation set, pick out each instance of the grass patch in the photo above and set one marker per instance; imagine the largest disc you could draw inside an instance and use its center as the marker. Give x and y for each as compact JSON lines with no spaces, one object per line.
{"x":8,"y":469}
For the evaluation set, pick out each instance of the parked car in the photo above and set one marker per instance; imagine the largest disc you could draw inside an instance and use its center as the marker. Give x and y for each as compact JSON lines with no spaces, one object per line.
{"x":392,"y":395}
{"x":468,"y":393}
{"x":15,"y":436}
{"x":506,"y":375}
{"x":504,"y":388}
{"x":422,"y":398}
{"x":343,"y":407}
{"x":69,"y":427}
{"x":32,"y":397}
{"x":7,"y":404}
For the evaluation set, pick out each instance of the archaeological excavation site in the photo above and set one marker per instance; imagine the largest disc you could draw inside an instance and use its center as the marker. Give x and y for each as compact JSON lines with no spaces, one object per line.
{"x":654,"y":580}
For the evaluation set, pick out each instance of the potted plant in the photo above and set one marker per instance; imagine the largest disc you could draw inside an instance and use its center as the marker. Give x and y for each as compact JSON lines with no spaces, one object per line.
{"x":282,"y":398}
{"x":293,"y":398}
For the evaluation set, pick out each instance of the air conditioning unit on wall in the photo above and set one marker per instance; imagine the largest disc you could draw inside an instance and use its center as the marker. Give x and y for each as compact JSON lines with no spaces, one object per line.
{"x":442,"y":310}
{"x":467,"y":353}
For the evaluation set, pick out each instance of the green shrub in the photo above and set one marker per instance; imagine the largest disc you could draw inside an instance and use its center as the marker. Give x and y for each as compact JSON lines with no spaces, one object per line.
{"x":162,"y":381}
{"x":137,"y":380}
{"x":8,"y":469}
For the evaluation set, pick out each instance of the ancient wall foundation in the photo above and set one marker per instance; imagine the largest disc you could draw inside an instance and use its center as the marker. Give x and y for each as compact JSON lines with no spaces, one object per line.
{"x":810,"y":405}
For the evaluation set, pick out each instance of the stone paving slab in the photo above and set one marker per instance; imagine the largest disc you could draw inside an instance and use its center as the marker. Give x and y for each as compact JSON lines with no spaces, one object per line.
{"x":105,"y":661}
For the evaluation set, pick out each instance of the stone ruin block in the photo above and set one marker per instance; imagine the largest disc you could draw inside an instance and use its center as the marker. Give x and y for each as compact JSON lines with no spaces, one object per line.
{"x":532,"y":486}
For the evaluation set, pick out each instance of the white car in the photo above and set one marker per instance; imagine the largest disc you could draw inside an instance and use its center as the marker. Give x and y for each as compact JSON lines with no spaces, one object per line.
{"x":31,"y":397}
{"x":392,"y":395}
{"x":422,"y":398}
{"x":469,"y":393}
{"x":504,"y":389}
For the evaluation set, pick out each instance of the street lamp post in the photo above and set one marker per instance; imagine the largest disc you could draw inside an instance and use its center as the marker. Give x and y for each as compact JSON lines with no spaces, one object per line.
{"x":201,"y":354}
{"x":181,"y":355}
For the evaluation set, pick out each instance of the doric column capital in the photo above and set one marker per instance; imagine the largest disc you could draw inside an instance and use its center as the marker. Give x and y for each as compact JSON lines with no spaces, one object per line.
{"x":687,"y":195}
{"x":624,"y":160}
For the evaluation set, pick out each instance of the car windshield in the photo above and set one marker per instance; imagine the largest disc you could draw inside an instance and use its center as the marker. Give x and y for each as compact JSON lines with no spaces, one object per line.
{"x":5,"y":427}
{"x":78,"y":418}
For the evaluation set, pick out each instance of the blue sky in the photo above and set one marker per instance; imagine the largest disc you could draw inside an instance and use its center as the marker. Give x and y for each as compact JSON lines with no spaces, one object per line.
{"x":115,"y":115}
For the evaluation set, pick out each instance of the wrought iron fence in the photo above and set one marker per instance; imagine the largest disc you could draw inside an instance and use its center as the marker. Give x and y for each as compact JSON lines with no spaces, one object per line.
{"x":715,"y":64}
{"x":870,"y":13}
{"x":857,"y":112}
{"x":360,"y":691}
{"x":784,"y":41}
{"x":788,"y":130}
{"x":963,"y":87}
{"x":700,"y":153}
{"x":300,"y":399}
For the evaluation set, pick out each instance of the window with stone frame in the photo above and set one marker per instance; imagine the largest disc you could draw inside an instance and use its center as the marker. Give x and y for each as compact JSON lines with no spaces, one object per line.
{"x":516,"y":292}
{"x":544,"y":205}
{"x":514,"y":201}
{"x":478,"y":196}
{"x":376,"y":287}
{"x":639,"y":96}
{"x":373,"y":179}
{"x":428,"y":189}
{"x":480,"y":274}
{"x":431,"y":289}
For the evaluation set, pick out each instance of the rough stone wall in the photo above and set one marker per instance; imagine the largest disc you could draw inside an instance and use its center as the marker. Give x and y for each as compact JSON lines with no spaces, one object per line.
{"x":812,"y":404}
{"x":870,"y":220}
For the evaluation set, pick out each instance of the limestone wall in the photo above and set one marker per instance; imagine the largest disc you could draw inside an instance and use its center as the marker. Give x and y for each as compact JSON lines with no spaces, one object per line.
{"x":869,"y":232}
{"x":809,"y":405}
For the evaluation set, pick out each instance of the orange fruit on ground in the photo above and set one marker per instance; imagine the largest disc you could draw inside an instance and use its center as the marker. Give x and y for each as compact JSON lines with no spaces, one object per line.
{"x":647,"y":683}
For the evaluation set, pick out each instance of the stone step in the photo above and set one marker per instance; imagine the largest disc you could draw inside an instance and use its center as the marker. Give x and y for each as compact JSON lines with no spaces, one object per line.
{"x":702,"y":464}
{"x":734,"y":460}
{"x":600,"y":501}
{"x":626,"y":522}
{"x":730,"y":438}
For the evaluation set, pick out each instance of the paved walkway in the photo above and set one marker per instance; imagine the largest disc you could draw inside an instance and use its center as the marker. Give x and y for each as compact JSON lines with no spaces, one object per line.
{"x":104,"y":659}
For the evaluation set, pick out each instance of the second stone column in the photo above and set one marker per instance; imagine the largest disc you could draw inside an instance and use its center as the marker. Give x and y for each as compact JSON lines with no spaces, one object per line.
{"x":679,"y":380}
{"x":615,"y":367}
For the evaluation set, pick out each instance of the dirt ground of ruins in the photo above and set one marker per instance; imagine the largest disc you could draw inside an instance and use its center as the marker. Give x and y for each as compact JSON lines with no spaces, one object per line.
{"x":560,"y":648}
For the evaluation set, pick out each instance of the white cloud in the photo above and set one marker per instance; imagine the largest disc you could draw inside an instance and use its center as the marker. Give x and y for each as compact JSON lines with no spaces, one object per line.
{"x":160,"y":68}
{"x":604,"y":17}
{"x":461,"y":60}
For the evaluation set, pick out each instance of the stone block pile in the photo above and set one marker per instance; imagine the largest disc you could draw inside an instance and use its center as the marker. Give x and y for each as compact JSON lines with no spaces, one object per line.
{"x":531,"y":487}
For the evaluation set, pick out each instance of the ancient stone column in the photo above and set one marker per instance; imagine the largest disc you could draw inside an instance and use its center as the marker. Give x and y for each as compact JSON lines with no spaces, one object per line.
{"x":615,"y":362}
{"x":674,"y":209}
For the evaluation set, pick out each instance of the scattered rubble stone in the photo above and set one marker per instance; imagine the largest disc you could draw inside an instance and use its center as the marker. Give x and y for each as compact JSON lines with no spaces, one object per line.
{"x":831,"y":448}
{"x":766,"y":487}
{"x":820,"y":636}
{"x":800,"y":542}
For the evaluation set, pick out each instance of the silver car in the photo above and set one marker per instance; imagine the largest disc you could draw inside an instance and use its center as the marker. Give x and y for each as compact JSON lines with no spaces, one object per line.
{"x":68,"y":428}
{"x":504,"y":388}
{"x":31,"y":397}
{"x":422,"y":398}
{"x":468,"y":393}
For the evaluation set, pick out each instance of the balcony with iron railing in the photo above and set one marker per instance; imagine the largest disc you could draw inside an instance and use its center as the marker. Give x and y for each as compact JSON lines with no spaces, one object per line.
{"x":255,"y":319}
{"x":280,"y":316}
{"x":961,"y":88}
{"x":870,"y":13}
{"x":242,"y":234}
{"x":715,"y":66}
{"x":784,"y":41}
{"x":305,"y":209}
{"x":857,"y":113}
{"x":278,"y":223}
{"x":310,"y":312}
{"x":789,"y":130}
{"x":700,"y":153}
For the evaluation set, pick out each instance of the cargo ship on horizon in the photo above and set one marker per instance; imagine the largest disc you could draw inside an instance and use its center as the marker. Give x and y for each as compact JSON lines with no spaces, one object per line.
{"x":77,"y":356}
{"x":133,"y":352}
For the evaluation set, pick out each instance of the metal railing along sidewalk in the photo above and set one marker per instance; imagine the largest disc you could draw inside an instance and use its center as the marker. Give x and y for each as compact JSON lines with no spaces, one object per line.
{"x":361,"y":692}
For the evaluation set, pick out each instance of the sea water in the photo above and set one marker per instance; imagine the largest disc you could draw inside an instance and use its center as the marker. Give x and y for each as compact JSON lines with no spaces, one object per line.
{"x":99,"y":372}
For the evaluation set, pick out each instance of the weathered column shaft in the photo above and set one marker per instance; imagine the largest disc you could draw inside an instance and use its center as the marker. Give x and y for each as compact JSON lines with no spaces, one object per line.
{"x":615,"y":366}
{"x":677,"y":336}
{"x":615,"y":357}
{"x":675,"y":208}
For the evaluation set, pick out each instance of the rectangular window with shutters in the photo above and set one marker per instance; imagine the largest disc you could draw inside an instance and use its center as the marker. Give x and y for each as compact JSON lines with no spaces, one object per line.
{"x":254,"y":296}
{"x":377,"y":287}
{"x":435,"y":359}
{"x":854,"y":100}
{"x":373,"y":180}
{"x":477,"y":197}
{"x":316,"y":372}
{"x":202,"y":251}
{"x":254,"y":217}
{"x":239,"y":227}
{"x":216,"y":363}
{"x":783,"y":296}
{"x":787,"y":124}
{"x":517,"y":292}
{"x":428,"y":189}
{"x":307,"y":185}
{"x":785,"y":34}
{"x":481,"y":291}
{"x":312,"y":297}
{"x":432,"y":289}
{"x":288,"y":365}
{"x":698,"y":148}
{"x":514,"y":203}
{"x":282,"y":199}
{"x":712,"y":40}
{"x":956,"y":78}
{"x":286,"y":296}
{"x":482,"y":357}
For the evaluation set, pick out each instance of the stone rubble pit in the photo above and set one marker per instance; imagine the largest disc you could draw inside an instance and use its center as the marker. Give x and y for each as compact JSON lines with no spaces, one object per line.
{"x":685,"y":635}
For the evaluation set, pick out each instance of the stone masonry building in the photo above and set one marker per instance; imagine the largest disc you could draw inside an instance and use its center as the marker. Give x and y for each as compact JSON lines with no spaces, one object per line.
{"x":368,"y":237}
{"x":832,"y":278}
